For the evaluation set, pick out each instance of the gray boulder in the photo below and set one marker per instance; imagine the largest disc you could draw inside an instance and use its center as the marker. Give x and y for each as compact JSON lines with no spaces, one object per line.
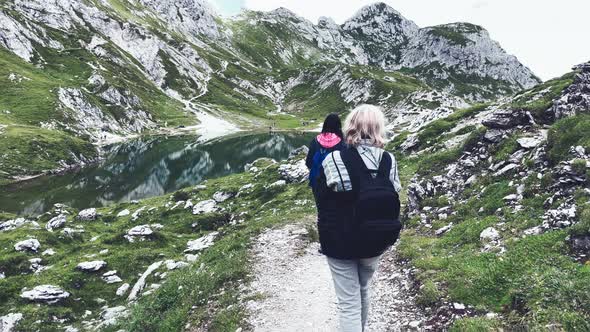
{"x":28,"y":245}
{"x":92,"y":266}
{"x":56,"y":222}
{"x":48,"y":294}
{"x":9,"y":321}
{"x":489,"y":234}
{"x":201,"y":243}
{"x":88,"y":215}
{"x":506,"y":119}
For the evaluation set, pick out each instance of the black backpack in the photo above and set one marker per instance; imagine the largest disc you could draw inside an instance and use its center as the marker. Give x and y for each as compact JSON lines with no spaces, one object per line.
{"x":376,"y":208}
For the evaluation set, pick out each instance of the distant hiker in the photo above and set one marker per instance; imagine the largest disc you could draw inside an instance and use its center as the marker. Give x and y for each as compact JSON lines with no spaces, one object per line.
{"x":358,"y":211}
{"x":329,"y":140}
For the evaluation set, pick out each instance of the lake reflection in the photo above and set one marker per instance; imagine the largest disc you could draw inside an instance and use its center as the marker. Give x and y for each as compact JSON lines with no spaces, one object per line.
{"x":147,"y":167}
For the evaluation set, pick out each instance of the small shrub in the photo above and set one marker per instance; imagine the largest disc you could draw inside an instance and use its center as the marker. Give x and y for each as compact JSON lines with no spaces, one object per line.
{"x":565,"y":133}
{"x":466,"y":130}
{"x":429,"y":294}
{"x":312,"y":233}
{"x":180,"y":196}
{"x":475,"y":324}
{"x":579,"y":166}
{"x":506,"y":148}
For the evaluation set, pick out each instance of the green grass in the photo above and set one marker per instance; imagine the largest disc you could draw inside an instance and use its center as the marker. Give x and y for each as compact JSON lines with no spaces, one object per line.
{"x":451,"y":34}
{"x":551,"y":90}
{"x":32,"y":150}
{"x":204,"y":294}
{"x":568,"y":132}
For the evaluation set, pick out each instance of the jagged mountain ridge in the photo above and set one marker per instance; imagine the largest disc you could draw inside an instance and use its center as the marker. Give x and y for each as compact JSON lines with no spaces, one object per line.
{"x":115,"y":68}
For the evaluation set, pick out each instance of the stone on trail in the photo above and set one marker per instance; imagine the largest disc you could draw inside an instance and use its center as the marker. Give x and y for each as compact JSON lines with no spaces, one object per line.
{"x":9,"y":321}
{"x":28,"y":245}
{"x":92,"y":266}
{"x":48,"y":294}
{"x":201,"y":243}
{"x":56,"y":222}
{"x":88,"y":215}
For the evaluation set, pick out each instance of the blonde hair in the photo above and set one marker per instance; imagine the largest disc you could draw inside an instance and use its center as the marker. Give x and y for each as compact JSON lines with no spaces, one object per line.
{"x":365,"y":122}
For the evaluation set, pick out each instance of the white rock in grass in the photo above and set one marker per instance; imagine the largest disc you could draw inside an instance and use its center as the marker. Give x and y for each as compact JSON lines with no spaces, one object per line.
{"x":140,"y":284}
{"x":8,"y":322}
{"x":88,"y":215}
{"x":111,"y":277}
{"x":489,"y":234}
{"x":221,"y":196}
{"x":202,"y":242}
{"x":45,"y":293}
{"x":2,"y":275}
{"x":28,"y":245}
{"x":123,"y":289}
{"x":92,"y":266}
{"x":189,"y":204}
{"x":70,"y":232}
{"x":191,"y":258}
{"x":172,"y":265}
{"x":444,"y":229}
{"x":296,"y":172}
{"x":123,"y":213}
{"x":137,"y":213}
{"x":459,"y":306}
{"x":512,"y":197}
{"x":207,"y":206}
{"x":12,"y":224}
{"x":48,"y":252}
{"x":110,"y":316}
{"x":279,"y":183}
{"x":141,"y":230}
{"x":506,"y":169}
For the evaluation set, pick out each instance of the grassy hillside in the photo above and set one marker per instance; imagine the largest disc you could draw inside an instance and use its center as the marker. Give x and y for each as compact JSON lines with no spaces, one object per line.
{"x":529,"y":275}
{"x":206,"y":293}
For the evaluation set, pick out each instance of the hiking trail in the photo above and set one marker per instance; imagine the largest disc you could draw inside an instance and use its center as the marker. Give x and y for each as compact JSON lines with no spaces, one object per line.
{"x":294,"y":287}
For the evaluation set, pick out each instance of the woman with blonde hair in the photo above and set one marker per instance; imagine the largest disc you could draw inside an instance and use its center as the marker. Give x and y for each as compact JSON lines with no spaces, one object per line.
{"x":359,"y":215}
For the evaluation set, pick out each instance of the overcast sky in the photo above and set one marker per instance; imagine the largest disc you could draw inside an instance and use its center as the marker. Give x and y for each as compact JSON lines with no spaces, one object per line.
{"x":548,"y":36}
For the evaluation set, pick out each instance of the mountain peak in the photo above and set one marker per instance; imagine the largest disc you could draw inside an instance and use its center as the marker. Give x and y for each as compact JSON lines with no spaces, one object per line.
{"x":376,"y":9}
{"x":283,"y":12}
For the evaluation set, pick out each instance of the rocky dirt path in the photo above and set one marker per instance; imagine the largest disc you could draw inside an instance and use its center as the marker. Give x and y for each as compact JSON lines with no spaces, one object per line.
{"x":295,"y":290}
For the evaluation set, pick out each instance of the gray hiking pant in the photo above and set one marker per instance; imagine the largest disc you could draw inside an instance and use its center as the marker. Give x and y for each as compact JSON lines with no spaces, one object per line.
{"x":352,"y":278}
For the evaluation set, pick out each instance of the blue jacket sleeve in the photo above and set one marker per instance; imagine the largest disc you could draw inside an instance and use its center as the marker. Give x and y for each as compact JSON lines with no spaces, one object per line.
{"x":313,"y":147}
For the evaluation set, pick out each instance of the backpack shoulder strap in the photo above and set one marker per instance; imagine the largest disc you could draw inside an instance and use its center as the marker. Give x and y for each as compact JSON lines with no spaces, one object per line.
{"x":385,"y":165}
{"x":337,"y":169}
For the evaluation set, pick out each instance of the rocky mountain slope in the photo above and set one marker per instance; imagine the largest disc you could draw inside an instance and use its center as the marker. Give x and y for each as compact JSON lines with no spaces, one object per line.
{"x":496,"y":232}
{"x":498,"y":210}
{"x":76,"y":72}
